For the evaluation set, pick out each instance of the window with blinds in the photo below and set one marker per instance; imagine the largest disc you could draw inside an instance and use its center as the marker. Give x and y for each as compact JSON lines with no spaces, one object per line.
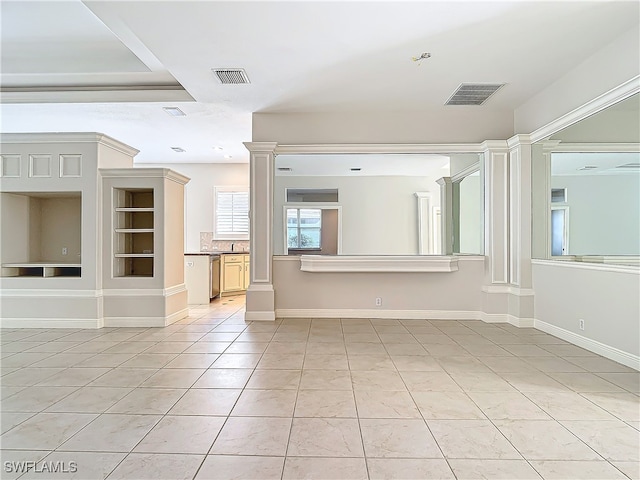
{"x":231,"y":214}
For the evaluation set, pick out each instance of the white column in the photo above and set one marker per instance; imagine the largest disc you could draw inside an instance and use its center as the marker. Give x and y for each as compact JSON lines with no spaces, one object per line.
{"x":520,"y":300}
{"x":496,"y":230}
{"x":425,"y":241}
{"x":496,"y":190}
{"x":446,"y":214}
{"x":260,"y":294}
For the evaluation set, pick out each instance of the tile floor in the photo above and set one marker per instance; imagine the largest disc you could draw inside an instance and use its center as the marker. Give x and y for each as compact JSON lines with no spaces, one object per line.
{"x":214,"y":397}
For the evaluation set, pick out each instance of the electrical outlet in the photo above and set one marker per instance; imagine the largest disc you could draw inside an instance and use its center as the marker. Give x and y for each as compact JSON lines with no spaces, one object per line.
{"x":581,"y":324}
{"x":189,"y":264}
{"x":378,"y":301}
{"x":65,"y":250}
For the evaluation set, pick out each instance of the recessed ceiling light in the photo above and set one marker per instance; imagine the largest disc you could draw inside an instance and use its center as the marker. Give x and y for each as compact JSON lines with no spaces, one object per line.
{"x":174,"y":111}
{"x":178,"y":149}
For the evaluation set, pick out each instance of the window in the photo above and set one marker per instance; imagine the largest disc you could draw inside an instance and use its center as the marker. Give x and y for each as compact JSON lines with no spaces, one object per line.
{"x":558,"y":195}
{"x":231,"y":220}
{"x":303,"y":227}
{"x":325,"y":195}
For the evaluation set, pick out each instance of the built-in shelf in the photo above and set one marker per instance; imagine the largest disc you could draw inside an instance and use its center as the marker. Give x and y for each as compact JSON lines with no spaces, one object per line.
{"x":378,"y":263}
{"x":41,"y":269}
{"x":134,"y":233}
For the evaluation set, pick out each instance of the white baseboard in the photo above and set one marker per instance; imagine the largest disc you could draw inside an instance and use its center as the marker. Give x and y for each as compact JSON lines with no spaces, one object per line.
{"x":174,"y":317}
{"x":51,"y":323}
{"x":145,"y":321}
{"x":612,"y":353}
{"x":373,"y":313}
{"x":266,"y":316}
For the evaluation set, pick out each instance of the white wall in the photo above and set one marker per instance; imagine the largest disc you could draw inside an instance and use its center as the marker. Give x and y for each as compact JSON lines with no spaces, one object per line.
{"x":606,"y":300}
{"x":442,"y":125}
{"x":61,"y":228}
{"x":606,"y":69}
{"x":604,"y":213}
{"x":454,"y":294}
{"x":199,"y":193}
{"x":379,"y":214}
{"x":14,"y":237}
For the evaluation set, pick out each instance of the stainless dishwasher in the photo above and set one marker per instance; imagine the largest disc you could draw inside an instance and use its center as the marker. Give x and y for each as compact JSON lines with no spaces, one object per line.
{"x":214,"y":280}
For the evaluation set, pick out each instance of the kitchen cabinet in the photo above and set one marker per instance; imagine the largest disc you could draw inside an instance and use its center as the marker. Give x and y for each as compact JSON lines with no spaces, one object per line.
{"x":235,"y":273}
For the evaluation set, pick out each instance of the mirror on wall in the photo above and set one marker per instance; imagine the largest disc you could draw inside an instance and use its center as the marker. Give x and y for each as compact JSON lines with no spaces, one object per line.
{"x":362,"y":204}
{"x":586,"y":189}
{"x":468,"y":210}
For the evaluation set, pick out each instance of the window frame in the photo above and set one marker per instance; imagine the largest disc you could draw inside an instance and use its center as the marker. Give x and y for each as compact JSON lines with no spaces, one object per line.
{"x":312,"y":206}
{"x":301,"y":228}
{"x":233,"y":235}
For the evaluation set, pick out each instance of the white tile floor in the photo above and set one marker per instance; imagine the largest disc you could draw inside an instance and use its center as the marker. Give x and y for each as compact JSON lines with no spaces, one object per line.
{"x":214,"y":397}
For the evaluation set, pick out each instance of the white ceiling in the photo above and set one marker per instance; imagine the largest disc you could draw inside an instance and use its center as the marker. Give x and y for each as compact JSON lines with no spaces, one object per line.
{"x":110,"y":66}
{"x":605,"y":163}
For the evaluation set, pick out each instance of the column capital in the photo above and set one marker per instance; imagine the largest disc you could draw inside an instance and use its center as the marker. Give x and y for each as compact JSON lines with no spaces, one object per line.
{"x":518,"y":140}
{"x":494,"y":145}
{"x":261,"y":146}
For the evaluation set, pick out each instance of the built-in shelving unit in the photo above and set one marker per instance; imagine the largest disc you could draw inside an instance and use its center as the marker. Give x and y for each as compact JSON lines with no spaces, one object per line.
{"x":41,"y":269}
{"x":134,"y":232}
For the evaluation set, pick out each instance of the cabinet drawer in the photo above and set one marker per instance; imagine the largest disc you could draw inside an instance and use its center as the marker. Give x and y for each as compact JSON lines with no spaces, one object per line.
{"x":233,"y":258}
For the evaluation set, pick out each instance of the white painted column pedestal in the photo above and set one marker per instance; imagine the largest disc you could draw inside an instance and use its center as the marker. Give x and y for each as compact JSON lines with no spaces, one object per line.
{"x":496,"y":231}
{"x":260,"y":294}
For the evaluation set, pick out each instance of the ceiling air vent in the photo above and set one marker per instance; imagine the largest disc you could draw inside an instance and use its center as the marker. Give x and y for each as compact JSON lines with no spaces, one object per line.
{"x":473,"y":93}
{"x":231,"y":76}
{"x":629,"y":165}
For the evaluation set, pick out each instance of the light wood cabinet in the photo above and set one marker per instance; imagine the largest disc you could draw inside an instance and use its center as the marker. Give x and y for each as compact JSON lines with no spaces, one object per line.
{"x":235,"y":273}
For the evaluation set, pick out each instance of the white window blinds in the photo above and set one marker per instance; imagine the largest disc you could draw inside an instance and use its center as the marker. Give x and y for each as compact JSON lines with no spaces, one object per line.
{"x":232,"y":215}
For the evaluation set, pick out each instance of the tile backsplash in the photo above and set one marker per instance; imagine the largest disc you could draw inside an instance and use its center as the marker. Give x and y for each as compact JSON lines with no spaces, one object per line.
{"x":208,"y":244}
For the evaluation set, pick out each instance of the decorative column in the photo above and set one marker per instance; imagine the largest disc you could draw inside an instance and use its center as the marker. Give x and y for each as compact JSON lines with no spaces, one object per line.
{"x":496,"y":230}
{"x":425,"y":241}
{"x":446,"y":213}
{"x":260,"y":294}
{"x":520,"y":300}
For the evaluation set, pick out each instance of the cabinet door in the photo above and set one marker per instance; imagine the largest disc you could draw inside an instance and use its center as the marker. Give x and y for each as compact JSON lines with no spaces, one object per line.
{"x":232,"y":277}
{"x":247,"y":276}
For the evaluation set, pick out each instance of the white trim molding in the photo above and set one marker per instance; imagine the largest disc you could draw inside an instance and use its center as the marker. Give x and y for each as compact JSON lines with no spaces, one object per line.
{"x":370,"y":313}
{"x":570,"y":263}
{"x":391,"y":148}
{"x":378,"y":263}
{"x":41,"y":322}
{"x":607,"y":351}
{"x":266,"y":316}
{"x":605,"y":100}
{"x":137,"y":322}
{"x":68,"y":137}
{"x":404,"y":315}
